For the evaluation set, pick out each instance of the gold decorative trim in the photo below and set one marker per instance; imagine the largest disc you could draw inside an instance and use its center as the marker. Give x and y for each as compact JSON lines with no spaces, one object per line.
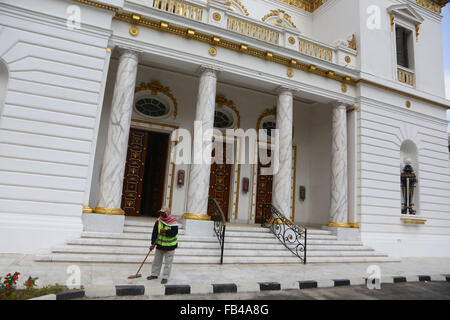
{"x":307,"y":5}
{"x":98,"y":5}
{"x":155,"y":86}
{"x":291,"y":40}
{"x":216,"y":16}
{"x":155,"y":25}
{"x":109,"y":211}
{"x":221,"y":101}
{"x":212,"y":51}
{"x":280,"y":15}
{"x":348,"y":59}
{"x":87,"y":209}
{"x":343,"y":225}
{"x":344,"y":88}
{"x":435,"y":6}
{"x":134,"y":31}
{"x":257,"y":53}
{"x":229,"y":4}
{"x":196,"y":216}
{"x":352,"y":42}
{"x":266,"y":113}
{"x":290,"y":73}
{"x":413,"y":221}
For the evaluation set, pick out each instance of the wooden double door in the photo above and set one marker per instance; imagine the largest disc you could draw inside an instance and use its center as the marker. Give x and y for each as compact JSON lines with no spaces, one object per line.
{"x":263,"y":192}
{"x":219,"y":183}
{"x":145,"y":171}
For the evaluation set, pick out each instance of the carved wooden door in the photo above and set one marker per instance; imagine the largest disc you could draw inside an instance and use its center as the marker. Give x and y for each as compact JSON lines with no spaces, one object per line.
{"x":263,"y":191}
{"x":134,"y":172}
{"x":219,"y":184}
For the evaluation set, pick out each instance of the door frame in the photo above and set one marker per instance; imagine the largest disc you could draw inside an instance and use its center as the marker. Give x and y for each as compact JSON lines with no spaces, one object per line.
{"x":268,"y":146}
{"x":170,"y":166}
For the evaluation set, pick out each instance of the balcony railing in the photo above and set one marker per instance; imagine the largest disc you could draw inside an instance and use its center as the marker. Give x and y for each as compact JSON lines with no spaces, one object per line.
{"x":288,"y":38}
{"x":405,"y":76}
{"x":180,"y":8}
{"x":252,"y":30}
{"x":314,"y":50}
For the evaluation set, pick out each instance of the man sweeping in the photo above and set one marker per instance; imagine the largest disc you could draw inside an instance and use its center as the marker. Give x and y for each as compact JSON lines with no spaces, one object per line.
{"x":165,"y":238}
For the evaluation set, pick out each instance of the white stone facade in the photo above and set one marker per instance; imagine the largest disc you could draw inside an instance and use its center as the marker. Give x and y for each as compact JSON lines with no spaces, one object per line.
{"x":68,"y":95}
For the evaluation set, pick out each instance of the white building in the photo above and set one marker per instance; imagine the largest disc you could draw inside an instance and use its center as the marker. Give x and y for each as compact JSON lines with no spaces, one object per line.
{"x":355,"y":89}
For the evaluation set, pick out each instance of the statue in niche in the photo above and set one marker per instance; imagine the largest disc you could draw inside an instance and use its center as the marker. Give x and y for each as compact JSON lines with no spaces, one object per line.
{"x":408,"y":181}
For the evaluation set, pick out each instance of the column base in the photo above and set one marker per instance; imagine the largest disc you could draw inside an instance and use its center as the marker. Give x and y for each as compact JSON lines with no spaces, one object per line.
{"x":93,"y":222}
{"x":109,"y":211}
{"x":198,"y":225}
{"x":342,"y":225}
{"x":196,"y":216}
{"x":345,"y":233}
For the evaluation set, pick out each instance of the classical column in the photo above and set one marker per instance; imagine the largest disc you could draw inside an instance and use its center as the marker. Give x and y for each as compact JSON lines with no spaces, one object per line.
{"x":111,"y":179}
{"x":338,"y":205}
{"x":282,"y":178}
{"x":197,"y":202}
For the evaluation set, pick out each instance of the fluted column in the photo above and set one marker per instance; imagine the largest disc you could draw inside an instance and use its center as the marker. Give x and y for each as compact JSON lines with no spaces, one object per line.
{"x":282,"y":178}
{"x":111,"y":179}
{"x":197,"y":203}
{"x":338,"y":205}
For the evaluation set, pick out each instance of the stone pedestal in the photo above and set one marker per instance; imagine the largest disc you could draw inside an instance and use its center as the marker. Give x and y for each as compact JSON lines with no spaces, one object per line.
{"x":94,"y":222}
{"x":200,"y":228}
{"x":282,"y":178}
{"x":345,"y":233}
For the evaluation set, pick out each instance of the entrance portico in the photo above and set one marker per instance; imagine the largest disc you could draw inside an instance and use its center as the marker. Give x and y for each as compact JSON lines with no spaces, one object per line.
{"x":297,"y":114}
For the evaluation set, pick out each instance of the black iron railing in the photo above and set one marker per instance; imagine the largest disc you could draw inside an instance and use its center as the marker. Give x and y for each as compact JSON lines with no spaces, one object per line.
{"x":290,"y":235}
{"x":219,"y":224}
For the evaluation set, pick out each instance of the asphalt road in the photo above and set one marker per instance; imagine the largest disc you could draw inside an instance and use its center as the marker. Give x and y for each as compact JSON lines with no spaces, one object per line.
{"x":397,"y":291}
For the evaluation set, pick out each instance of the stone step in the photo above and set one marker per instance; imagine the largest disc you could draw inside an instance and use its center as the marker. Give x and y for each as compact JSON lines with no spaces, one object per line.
{"x":246,"y":252}
{"x":179,"y":251}
{"x":180,"y":259}
{"x":351,"y":259}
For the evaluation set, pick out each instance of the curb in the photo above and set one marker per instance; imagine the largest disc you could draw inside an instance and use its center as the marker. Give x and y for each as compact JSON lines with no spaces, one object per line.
{"x":171,"y":289}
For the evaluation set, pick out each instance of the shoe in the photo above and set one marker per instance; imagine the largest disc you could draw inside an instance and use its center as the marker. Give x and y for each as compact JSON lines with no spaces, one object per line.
{"x":151,"y":277}
{"x":163,"y":281}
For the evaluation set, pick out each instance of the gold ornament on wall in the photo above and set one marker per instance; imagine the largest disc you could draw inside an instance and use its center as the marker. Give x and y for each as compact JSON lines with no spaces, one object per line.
{"x":408,"y":104}
{"x":134,"y":31}
{"x":290,"y":73}
{"x":280,"y":17}
{"x":352,"y":42}
{"x":221,"y":101}
{"x":212,"y":51}
{"x":344,"y":87}
{"x":216,"y":16}
{"x":291,"y":40}
{"x":348,"y":59}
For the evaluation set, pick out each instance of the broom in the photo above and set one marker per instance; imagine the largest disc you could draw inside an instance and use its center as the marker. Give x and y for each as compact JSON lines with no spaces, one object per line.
{"x":138,"y":275}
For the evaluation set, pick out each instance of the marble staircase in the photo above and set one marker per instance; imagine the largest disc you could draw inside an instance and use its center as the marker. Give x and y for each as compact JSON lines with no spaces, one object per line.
{"x":243,"y":244}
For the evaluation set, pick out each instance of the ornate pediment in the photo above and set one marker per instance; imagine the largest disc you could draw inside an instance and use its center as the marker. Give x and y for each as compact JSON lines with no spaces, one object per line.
{"x":405,"y":12}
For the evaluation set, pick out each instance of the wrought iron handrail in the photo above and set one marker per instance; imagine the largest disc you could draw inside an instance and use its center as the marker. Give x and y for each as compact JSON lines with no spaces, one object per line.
{"x":219,"y":224}
{"x":290,"y":235}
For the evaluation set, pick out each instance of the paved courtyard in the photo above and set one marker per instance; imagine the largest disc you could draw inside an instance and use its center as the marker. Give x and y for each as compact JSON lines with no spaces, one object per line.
{"x":190,"y":274}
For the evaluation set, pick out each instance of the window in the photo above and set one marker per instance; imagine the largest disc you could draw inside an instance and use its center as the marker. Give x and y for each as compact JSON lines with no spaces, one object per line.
{"x":269,"y":126}
{"x":222,"y":120}
{"x":151,"y":107}
{"x":403,"y":37}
